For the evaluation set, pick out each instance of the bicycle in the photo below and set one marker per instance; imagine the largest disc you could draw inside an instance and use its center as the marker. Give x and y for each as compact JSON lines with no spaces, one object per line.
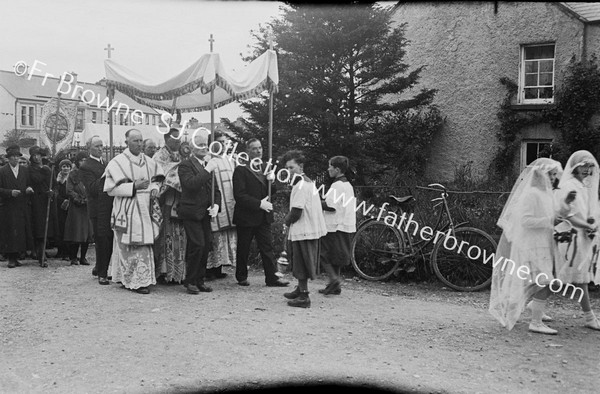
{"x":379,"y":248}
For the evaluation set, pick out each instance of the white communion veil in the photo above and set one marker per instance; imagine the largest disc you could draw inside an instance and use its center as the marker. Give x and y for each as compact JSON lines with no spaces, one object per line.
{"x":509,"y":292}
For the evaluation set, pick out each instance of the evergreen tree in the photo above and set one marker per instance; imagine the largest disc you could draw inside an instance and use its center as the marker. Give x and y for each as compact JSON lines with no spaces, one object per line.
{"x":341,"y":80}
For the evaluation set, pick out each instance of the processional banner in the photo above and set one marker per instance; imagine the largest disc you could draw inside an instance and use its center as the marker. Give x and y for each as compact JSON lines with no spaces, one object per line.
{"x":57,"y":129}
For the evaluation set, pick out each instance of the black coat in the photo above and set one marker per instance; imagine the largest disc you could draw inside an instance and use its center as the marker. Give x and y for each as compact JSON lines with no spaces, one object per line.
{"x":249,"y":188}
{"x":16,"y":234}
{"x":42,"y":182}
{"x":195,"y":190}
{"x":99,"y":203}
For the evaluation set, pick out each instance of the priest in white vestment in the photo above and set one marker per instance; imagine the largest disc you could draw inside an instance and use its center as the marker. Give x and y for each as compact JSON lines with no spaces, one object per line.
{"x":134,"y":180}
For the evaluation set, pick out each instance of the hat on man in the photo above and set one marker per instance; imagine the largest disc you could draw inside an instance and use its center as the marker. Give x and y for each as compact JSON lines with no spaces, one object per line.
{"x":34,"y":150}
{"x":65,"y":162}
{"x":13,"y":150}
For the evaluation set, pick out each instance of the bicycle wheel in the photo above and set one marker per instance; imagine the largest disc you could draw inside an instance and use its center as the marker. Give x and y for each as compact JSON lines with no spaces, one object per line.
{"x":462,"y":268}
{"x":375,"y":250}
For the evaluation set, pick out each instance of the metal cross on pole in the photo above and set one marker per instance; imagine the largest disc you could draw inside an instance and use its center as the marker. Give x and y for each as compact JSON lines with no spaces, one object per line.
{"x":109,"y":49}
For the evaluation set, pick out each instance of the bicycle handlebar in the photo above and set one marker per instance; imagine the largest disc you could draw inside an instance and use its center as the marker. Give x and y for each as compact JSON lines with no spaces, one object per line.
{"x":437,"y":185}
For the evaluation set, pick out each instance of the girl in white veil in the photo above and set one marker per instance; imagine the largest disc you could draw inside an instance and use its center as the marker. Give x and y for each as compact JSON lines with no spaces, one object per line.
{"x":580,"y":185}
{"x":527,"y":221}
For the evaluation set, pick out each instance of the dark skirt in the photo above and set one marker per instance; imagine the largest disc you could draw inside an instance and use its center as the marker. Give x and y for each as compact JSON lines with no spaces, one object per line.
{"x":336,"y":248}
{"x":78,"y":227}
{"x":304,"y":255}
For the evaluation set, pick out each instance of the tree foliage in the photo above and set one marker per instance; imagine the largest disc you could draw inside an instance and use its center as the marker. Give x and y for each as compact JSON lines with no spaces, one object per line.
{"x":577,"y":101}
{"x":343,"y":89}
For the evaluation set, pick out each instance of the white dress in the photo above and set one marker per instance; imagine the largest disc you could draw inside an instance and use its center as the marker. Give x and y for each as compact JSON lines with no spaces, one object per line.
{"x":574,"y":265}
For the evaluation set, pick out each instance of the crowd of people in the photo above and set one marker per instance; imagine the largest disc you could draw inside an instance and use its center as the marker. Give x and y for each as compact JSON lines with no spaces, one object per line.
{"x":172,"y":215}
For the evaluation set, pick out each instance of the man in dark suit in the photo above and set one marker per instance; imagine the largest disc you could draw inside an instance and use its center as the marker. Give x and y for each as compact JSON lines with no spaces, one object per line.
{"x":99,"y":207}
{"x":253,"y":215}
{"x":195,"y":209}
{"x":15,"y":186}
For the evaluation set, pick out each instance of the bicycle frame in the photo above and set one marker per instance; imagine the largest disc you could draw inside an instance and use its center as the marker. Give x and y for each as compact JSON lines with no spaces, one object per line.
{"x":420,"y":244}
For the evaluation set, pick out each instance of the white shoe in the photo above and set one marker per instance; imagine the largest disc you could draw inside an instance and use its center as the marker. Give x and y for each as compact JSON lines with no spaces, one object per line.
{"x":541,"y":328}
{"x":594,"y":324}
{"x":545,"y":318}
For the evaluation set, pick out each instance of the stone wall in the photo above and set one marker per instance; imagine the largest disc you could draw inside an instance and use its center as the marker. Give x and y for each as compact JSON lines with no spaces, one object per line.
{"x":467,"y":48}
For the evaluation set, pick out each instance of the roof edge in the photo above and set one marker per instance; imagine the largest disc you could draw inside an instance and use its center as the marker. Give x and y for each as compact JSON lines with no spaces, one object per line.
{"x":567,"y":10}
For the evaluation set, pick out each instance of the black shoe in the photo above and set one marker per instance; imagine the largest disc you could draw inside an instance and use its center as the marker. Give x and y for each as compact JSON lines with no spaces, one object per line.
{"x":243,"y":283}
{"x":17,"y":264}
{"x":12,"y":264}
{"x":74,"y":262}
{"x":293,"y":294}
{"x":303,"y":301}
{"x":142,"y":290}
{"x":203,"y":288}
{"x":192,"y":289}
{"x":109,"y":277}
{"x":94,"y":271}
{"x":83,"y":261}
{"x":103,"y":281}
{"x":43,"y":264}
{"x":332,"y":288}
{"x":278,"y":283}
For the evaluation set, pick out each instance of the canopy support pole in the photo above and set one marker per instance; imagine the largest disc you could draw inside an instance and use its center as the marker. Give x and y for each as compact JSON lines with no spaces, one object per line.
{"x":111,"y":95}
{"x":270,"y":119}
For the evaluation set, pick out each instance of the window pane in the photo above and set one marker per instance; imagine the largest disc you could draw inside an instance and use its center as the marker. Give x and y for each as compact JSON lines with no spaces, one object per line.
{"x":531,"y":93}
{"x":531,"y":79}
{"x":539,"y":52}
{"x":546,"y":93}
{"x":531,"y":152}
{"x":31,"y":115}
{"x":531,"y":67}
{"x":546,"y":65}
{"x":545,"y":79}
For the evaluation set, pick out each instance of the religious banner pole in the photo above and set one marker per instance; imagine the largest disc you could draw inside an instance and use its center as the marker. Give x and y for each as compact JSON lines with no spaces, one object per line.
{"x":212,"y":130}
{"x":54,"y":135}
{"x":270,"y":118}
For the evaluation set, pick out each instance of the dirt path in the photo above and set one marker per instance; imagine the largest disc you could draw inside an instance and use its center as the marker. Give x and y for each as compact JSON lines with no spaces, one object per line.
{"x":60,"y":332}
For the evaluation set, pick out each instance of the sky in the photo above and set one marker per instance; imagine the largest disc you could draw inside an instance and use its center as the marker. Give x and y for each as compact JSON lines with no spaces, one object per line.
{"x":155,"y":38}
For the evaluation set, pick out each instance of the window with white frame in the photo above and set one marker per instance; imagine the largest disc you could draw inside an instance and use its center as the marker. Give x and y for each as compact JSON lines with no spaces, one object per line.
{"x":28,"y":115}
{"x":147,"y":119}
{"x":534,"y":149}
{"x":536,"y":81}
{"x":153,"y":120}
{"x":94,"y":117}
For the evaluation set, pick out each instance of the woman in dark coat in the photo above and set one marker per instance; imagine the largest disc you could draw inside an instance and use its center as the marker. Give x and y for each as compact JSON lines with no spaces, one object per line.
{"x":62,"y":202}
{"x":78,"y":228}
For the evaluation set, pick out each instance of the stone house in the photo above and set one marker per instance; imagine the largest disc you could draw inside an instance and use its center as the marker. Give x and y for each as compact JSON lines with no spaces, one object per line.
{"x":468,"y":46}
